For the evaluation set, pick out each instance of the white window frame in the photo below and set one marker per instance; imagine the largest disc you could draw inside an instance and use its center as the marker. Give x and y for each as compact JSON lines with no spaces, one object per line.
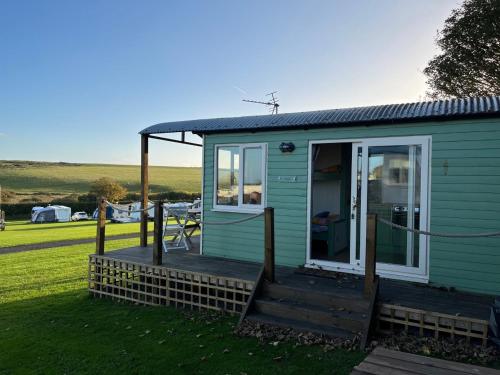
{"x":241,"y":207}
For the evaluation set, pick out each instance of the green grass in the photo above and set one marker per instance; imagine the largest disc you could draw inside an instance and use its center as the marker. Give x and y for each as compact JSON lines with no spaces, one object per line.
{"x":50,"y":325}
{"x":67,"y":178}
{"x":23,"y":232}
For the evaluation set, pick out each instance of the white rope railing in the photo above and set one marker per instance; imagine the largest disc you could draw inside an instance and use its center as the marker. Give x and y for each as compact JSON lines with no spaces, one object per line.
{"x":121,"y":209}
{"x":237,"y":221}
{"x":439,"y":234}
{"x":231,"y":222}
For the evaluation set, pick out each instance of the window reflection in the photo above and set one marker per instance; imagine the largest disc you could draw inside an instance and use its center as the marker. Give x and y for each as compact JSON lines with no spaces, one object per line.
{"x":228,"y":160}
{"x":252,"y":175}
{"x":394,"y":194}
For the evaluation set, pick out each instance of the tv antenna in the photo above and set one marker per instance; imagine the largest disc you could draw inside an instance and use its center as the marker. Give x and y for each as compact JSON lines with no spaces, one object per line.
{"x":272,"y":102}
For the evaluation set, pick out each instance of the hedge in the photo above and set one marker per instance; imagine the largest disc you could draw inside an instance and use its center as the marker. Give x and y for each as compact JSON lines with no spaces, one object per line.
{"x":23,"y":210}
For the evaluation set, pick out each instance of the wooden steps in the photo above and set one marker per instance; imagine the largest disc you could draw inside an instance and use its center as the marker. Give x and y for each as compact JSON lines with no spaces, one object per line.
{"x":312,"y":304}
{"x":299,"y":325}
{"x":311,"y":313}
{"x":331,"y":299}
{"x":383,"y":361}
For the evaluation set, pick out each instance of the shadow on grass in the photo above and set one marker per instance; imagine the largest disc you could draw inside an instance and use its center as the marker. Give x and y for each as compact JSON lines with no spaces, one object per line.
{"x":71,"y":332}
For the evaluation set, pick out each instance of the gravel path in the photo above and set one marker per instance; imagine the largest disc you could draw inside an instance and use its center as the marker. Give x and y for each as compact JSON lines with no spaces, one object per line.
{"x":47,"y":245}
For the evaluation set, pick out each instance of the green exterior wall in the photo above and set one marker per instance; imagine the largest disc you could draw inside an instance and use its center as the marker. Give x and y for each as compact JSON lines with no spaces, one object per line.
{"x":466,"y":198}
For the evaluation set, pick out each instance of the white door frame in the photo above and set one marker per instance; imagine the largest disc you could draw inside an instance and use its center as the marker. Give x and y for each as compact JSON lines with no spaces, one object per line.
{"x":353,"y":215}
{"x":334,"y":266}
{"x":420,"y":274}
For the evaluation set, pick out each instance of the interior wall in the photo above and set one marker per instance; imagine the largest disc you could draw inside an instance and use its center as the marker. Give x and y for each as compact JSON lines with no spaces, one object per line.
{"x":326,"y":194}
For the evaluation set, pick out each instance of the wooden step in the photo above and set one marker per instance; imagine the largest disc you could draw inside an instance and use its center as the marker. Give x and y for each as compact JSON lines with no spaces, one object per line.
{"x":300,"y":326}
{"x":329,"y":317}
{"x":383,"y":361}
{"x":335,"y":299}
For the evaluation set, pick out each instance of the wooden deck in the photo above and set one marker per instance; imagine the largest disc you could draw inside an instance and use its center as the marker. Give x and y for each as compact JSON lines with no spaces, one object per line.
{"x":383,"y":362}
{"x":412,"y":295}
{"x":190,"y":261}
{"x":403,"y":305}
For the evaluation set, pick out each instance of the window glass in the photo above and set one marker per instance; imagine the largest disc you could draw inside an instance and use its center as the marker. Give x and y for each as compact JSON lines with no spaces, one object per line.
{"x":228,"y":160}
{"x":252,"y":175}
{"x":394,"y":174}
{"x":240,"y":176}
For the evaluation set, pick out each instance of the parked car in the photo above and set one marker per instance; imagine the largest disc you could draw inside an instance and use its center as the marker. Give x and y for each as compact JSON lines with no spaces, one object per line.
{"x":77,"y":216}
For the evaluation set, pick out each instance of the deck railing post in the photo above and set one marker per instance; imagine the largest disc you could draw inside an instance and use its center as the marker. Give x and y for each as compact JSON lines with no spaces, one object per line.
{"x":144,"y":189}
{"x":269,"y":244}
{"x":101,"y":227}
{"x":158,"y":234}
{"x":371,"y":253}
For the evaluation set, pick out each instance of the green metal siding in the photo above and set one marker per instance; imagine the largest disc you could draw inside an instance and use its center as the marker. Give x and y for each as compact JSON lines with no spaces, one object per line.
{"x":466,"y":198}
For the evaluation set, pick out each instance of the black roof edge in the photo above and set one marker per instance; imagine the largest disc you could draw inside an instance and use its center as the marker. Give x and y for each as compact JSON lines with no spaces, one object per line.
{"x":404,"y":113}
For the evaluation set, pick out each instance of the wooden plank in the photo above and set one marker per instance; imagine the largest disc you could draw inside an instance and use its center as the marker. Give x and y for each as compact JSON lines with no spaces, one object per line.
{"x":158,"y":234}
{"x":401,"y":364}
{"x":144,"y":189}
{"x":101,"y":227}
{"x":359,"y":372}
{"x":382,"y":370}
{"x":269,"y":244}
{"x":434,"y":362}
{"x":370,"y":258}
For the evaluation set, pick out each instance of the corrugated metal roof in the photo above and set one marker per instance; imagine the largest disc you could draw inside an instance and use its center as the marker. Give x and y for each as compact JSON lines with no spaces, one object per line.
{"x":392,"y":113}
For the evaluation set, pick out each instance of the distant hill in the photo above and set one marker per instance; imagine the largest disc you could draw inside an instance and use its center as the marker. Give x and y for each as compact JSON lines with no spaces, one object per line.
{"x":42,"y":181}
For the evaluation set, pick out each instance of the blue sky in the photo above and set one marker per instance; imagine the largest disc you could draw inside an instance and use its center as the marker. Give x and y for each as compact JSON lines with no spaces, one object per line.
{"x":79,"y":79}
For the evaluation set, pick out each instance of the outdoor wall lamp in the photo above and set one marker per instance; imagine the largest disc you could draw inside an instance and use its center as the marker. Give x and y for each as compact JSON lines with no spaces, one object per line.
{"x":287,"y":147}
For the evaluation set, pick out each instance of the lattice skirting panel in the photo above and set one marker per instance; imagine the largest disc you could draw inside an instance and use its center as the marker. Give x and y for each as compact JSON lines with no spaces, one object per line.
{"x":391,"y":317}
{"x":159,"y":285}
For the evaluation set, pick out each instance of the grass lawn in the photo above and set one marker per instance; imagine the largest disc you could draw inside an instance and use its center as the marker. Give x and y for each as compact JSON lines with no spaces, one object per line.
{"x":23,"y":232}
{"x":68,"y":178}
{"x":49,"y":324}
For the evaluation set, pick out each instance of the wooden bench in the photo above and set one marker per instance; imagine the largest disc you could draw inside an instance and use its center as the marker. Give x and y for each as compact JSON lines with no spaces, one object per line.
{"x":389,"y":362}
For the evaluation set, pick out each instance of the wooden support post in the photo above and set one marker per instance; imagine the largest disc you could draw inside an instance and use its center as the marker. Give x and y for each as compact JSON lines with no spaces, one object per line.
{"x":2,"y":220}
{"x":158,"y":234}
{"x":144,"y":189}
{"x":101,"y":227}
{"x":269,"y":244}
{"x":371,"y":256}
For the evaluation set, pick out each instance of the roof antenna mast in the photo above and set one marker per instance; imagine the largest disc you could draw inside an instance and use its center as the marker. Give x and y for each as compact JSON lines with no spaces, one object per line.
{"x":272,"y":102}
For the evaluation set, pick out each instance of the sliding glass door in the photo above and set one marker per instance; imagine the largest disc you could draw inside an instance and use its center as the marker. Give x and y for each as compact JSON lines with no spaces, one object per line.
{"x":388,"y":177}
{"x":395,"y":187}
